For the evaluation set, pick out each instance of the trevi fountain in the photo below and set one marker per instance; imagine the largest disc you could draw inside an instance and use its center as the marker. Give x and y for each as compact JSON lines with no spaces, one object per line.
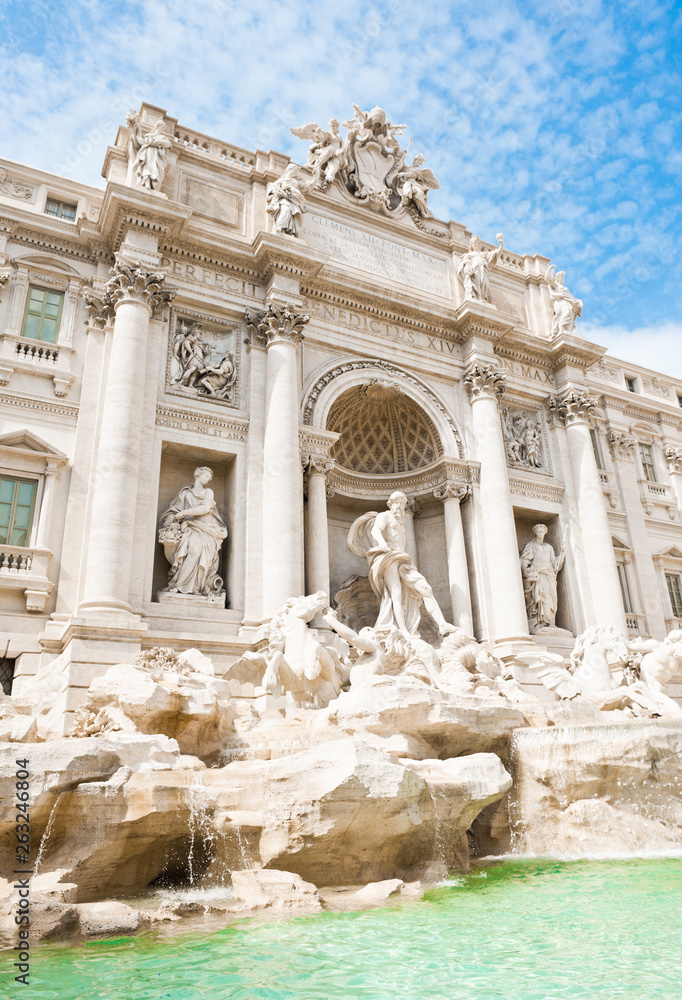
{"x":342,"y":634}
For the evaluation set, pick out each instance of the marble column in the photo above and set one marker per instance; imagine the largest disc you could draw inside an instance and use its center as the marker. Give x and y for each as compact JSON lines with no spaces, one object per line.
{"x":458,"y":575}
{"x":134,"y":294}
{"x":282,"y":474}
{"x":317,"y":534}
{"x":573,"y":408}
{"x":485,"y":384}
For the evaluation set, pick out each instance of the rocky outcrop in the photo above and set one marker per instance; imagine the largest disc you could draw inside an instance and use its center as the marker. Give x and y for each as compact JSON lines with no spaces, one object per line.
{"x":261,"y":888}
{"x":598,"y":790}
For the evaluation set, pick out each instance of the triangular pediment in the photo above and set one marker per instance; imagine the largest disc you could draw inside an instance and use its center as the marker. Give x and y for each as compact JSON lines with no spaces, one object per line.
{"x":618,"y":543}
{"x":24,"y":440}
{"x":672,"y":552}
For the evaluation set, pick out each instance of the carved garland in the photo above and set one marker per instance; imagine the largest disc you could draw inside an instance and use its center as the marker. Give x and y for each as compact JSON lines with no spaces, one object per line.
{"x":385,"y":366}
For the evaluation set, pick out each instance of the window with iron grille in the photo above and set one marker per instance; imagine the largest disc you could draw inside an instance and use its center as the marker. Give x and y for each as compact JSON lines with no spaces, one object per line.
{"x":60,"y":209}
{"x":43,"y":312}
{"x":675,"y":593}
{"x":6,"y":674}
{"x":647,"y":455}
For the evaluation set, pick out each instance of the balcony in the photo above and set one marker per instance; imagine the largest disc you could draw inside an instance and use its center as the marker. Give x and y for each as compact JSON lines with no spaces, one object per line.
{"x":36,"y":357}
{"x":658,"y":495}
{"x":25,"y":569}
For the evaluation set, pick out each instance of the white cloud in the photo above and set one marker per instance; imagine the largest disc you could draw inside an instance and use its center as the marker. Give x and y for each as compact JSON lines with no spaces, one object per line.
{"x":654,"y":347}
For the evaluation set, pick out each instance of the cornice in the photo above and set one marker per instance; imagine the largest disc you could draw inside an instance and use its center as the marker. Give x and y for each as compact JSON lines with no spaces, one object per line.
{"x":40,"y":403}
{"x":570,"y":349}
{"x":216,"y":424}
{"x":124,"y":207}
{"x":274,"y":252}
{"x":410,"y":319}
{"x":481,"y":319}
{"x":46,"y":239}
{"x":184,"y":250}
{"x":443,"y":473}
{"x":525,"y":355}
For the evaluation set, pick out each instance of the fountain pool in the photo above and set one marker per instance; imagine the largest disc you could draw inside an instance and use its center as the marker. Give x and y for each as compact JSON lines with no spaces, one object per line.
{"x":517,"y":930}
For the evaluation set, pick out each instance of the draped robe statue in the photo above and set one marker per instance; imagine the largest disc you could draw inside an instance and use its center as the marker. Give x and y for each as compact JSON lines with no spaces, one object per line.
{"x":539,"y":568}
{"x":192,"y":533}
{"x":401,"y":588}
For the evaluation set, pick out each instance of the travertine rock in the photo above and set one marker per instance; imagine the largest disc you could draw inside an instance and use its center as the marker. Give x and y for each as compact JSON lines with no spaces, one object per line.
{"x":375,"y":893}
{"x":450,"y":725}
{"x":108,"y":918}
{"x":343,"y":812}
{"x":260,"y":887}
{"x":592,"y":790}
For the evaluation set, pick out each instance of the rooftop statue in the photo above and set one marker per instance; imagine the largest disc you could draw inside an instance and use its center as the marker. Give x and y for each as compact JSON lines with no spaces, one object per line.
{"x":474,"y":268}
{"x":566,"y":307}
{"x":369,"y":162}
{"x":285,"y":200}
{"x":326,"y":154}
{"x":414,"y":184}
{"x":149,"y":153}
{"x":396,"y":581}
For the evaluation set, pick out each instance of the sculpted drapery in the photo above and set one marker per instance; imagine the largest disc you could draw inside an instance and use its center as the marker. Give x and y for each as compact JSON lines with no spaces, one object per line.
{"x":539,"y":568}
{"x":396,"y":581}
{"x":192,"y":532}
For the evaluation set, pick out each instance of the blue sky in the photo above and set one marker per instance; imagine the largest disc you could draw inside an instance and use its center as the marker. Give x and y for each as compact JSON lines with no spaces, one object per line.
{"x":558,"y":123}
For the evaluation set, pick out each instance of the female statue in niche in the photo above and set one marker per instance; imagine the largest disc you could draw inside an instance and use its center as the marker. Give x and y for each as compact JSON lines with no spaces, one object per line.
{"x":192,"y":533}
{"x":539,"y":568}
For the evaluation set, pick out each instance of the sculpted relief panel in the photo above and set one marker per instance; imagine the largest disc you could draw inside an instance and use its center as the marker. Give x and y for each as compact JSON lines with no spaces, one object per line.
{"x":203,"y":360}
{"x":523,"y":439}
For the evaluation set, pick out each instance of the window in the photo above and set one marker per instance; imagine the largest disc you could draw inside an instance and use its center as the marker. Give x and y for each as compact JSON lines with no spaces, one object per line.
{"x":679,"y":400}
{"x":630,"y":384}
{"x":60,"y":209}
{"x":596,"y":449}
{"x":675,"y":593}
{"x":43,"y":312}
{"x":17,"y":503}
{"x":647,"y":454}
{"x":625,"y":589}
{"x":6,"y":674}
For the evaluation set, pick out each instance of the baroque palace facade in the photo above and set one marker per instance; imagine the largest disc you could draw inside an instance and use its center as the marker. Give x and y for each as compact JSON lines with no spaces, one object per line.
{"x":318,"y":340}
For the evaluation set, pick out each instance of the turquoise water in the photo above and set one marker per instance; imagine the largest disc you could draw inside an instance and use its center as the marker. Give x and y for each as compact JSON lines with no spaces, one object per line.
{"x":521,"y":930}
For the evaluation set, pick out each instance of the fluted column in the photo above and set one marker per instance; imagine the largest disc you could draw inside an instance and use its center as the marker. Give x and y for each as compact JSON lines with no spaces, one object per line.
{"x":317,"y":535}
{"x":573,"y":408}
{"x":282,"y":329}
{"x":458,"y":575}
{"x":134,"y":294}
{"x":485,"y":385}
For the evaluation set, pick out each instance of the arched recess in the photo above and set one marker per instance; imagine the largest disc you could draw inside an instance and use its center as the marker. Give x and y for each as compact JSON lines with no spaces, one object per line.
{"x":330,"y":384}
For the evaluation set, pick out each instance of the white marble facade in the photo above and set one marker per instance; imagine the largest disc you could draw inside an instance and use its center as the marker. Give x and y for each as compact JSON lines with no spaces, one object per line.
{"x":315,"y":367}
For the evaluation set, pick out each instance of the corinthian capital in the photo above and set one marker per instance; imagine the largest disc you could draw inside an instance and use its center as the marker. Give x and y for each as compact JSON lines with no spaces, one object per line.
{"x":276,"y":322}
{"x":132,"y":283}
{"x":573,"y":406}
{"x":622,"y":444}
{"x":453,"y":491}
{"x":484,"y":380}
{"x":673,"y":457}
{"x":100,"y":310}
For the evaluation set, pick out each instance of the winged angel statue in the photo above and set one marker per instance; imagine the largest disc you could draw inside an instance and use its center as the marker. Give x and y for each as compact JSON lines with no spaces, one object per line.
{"x":369,"y":162}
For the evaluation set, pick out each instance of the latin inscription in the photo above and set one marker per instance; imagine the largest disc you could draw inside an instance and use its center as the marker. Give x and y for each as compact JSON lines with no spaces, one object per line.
{"x":528,"y":372}
{"x":214,"y":279}
{"x":377,"y":256}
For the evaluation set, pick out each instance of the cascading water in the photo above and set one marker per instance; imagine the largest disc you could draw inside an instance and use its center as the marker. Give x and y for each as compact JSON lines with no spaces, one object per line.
{"x":598,"y":790}
{"x":46,"y":835}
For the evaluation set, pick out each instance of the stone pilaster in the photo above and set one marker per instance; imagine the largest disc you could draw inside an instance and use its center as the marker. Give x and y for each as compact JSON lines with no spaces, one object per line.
{"x":451,"y":495}
{"x":573,"y":407}
{"x":281,"y":327}
{"x":673,"y":458}
{"x":485,"y":384}
{"x":134,"y":294}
